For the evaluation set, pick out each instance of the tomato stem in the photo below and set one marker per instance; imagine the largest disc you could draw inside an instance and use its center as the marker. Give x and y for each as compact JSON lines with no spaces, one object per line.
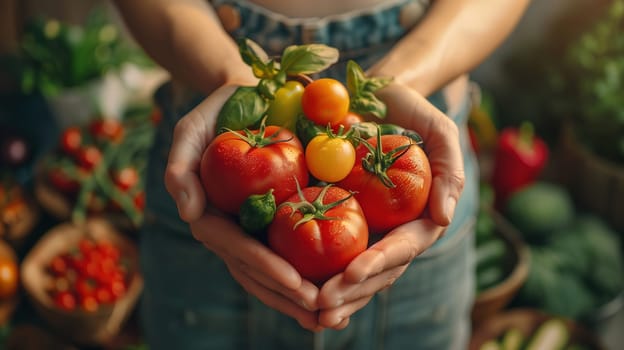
{"x":259,"y":139}
{"x":314,"y":210}
{"x":378,"y":162}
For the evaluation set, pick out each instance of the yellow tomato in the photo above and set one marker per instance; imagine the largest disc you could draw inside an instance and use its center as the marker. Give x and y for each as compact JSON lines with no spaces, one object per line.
{"x":329,"y":158}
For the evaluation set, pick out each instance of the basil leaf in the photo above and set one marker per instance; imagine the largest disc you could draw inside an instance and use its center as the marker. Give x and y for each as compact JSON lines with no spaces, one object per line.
{"x":362,"y":91}
{"x":308,"y":59}
{"x":244,"y":108}
{"x":254,"y":56}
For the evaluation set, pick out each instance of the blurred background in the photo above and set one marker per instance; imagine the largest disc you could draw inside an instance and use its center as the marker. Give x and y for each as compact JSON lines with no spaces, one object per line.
{"x":547,"y":126}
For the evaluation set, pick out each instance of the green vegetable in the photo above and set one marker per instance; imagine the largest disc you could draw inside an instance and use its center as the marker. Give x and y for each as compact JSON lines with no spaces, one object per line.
{"x":248,"y":105}
{"x":485,"y":227}
{"x":489,"y":276}
{"x":540,"y":209}
{"x":490,"y":345}
{"x":362,"y":91}
{"x":551,"y":335}
{"x":512,"y":339}
{"x":244,"y":108}
{"x":491,"y":253}
{"x":369,"y":129}
{"x":257,"y":212}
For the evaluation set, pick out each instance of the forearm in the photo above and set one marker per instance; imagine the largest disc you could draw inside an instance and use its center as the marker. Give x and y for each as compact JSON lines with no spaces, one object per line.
{"x":186,"y":39}
{"x":455,"y":37}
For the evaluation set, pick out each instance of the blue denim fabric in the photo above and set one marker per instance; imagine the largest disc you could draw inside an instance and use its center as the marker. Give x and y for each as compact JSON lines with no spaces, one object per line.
{"x":190,"y":301}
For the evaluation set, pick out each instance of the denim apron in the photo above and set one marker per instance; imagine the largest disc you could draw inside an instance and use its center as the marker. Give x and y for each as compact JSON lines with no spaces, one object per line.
{"x":190,"y":301}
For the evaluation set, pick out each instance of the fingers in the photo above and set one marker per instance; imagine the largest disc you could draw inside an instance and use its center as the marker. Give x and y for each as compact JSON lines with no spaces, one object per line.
{"x":411,"y":110}
{"x":226,"y":239}
{"x":258,"y":270}
{"x":398,"y":247}
{"x":307,"y":319}
{"x":190,"y":138}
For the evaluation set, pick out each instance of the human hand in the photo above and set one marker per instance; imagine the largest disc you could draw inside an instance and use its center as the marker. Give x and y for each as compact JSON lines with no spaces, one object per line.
{"x":254,"y":266}
{"x":384,"y":262}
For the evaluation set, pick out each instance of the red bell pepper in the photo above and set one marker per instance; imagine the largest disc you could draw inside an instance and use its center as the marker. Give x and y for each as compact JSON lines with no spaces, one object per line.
{"x":519,"y":159}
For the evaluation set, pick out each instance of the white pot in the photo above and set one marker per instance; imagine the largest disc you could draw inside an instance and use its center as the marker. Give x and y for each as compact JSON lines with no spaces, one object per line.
{"x":75,"y":106}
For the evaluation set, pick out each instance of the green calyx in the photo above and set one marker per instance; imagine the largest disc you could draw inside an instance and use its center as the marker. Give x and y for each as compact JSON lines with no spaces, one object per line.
{"x":258,"y":139}
{"x":313,"y":210}
{"x":378,"y":162}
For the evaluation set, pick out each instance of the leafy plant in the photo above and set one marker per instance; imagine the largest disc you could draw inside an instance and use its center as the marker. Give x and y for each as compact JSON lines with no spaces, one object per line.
{"x":590,"y":84}
{"x":54,"y":55}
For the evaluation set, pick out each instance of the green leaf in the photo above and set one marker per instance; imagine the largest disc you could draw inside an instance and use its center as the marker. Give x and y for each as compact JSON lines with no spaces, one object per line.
{"x":308,"y":59}
{"x":254,"y":56}
{"x":244,"y":108}
{"x":362,"y":91}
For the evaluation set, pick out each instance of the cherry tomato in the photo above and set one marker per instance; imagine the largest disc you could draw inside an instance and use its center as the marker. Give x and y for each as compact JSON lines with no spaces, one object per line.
{"x":65,"y":300}
{"x":89,"y":157}
{"x":59,"y":265}
{"x":349,"y":119}
{"x":59,"y":178}
{"x":329,"y":158}
{"x":107,"y":129}
{"x":286,"y":106}
{"x":89,"y":303}
{"x":9,"y":278}
{"x":325,"y":101}
{"x":387,"y":206}
{"x":103,"y":295}
{"x":126,"y":178}
{"x":71,"y":140}
{"x":233,"y":168}
{"x":324,"y":245}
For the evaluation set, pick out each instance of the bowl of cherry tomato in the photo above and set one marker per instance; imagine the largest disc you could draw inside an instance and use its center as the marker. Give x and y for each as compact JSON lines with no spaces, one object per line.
{"x":83,"y":280}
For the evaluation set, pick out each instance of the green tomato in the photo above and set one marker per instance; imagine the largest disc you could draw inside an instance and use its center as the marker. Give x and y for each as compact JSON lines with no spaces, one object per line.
{"x":286,"y":106}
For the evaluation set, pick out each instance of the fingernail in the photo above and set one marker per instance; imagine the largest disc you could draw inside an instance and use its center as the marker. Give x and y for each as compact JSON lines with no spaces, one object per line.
{"x":450,"y":208}
{"x":339,"y":302}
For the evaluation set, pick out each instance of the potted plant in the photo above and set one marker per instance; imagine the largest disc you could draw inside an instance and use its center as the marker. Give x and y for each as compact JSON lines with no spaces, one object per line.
{"x":588,"y":86}
{"x":68,"y":64}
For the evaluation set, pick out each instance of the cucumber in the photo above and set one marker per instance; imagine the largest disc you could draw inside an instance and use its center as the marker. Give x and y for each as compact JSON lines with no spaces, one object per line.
{"x":551,"y":335}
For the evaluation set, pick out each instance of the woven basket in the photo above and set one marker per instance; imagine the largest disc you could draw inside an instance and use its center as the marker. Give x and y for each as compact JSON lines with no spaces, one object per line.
{"x":81,"y":327}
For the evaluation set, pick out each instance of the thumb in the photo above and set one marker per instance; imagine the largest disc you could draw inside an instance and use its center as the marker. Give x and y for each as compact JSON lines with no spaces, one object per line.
{"x":191,"y":136}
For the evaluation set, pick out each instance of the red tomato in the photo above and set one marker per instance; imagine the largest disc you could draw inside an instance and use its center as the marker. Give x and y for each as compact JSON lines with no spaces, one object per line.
{"x":232,"y":168}
{"x":89,"y":157}
{"x":126,"y":178}
{"x":107,"y":129}
{"x":71,"y":140}
{"x":325,"y":101}
{"x":59,"y":178}
{"x":320,"y":247}
{"x":65,"y":300}
{"x":388,"y":207}
{"x":349,"y":119}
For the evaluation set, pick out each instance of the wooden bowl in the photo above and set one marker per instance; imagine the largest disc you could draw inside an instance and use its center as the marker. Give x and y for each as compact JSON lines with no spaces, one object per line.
{"x":491,"y":300}
{"x":527,"y":321}
{"x":82,"y":327}
{"x":8,"y":306}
